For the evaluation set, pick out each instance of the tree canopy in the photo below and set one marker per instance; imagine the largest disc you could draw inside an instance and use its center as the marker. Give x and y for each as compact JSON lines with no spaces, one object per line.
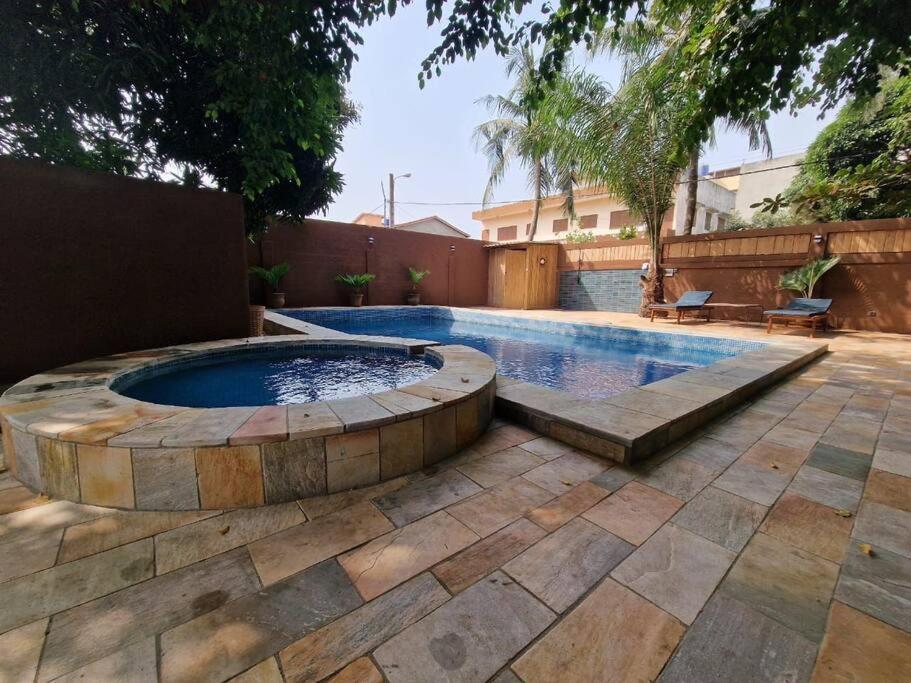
{"x":742,"y":55}
{"x":859,"y":166}
{"x":249,"y":95}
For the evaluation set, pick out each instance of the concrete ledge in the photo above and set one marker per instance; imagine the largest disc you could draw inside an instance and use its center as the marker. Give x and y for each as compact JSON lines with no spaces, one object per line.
{"x":69,"y":434}
{"x":640,"y":421}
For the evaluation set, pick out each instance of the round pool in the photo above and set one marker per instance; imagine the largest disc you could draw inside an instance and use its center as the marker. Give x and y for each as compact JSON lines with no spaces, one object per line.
{"x":262,"y":377}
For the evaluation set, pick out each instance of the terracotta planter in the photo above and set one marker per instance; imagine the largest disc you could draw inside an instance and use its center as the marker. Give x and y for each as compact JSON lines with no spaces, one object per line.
{"x":277,"y":300}
{"x":257,"y":313}
{"x":414,"y":298}
{"x":356,"y":299}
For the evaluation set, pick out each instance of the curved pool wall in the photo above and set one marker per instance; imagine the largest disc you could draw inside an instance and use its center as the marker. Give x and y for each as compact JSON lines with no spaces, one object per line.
{"x":67,"y":434}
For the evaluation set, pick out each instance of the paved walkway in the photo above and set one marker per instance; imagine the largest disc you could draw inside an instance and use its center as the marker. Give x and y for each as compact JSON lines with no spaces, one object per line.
{"x":773,"y":545}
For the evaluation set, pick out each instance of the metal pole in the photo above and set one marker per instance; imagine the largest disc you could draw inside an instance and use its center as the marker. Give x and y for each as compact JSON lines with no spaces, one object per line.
{"x":391,"y":201}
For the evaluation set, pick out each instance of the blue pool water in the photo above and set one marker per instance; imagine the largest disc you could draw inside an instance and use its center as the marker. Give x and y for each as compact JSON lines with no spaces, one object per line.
{"x":584,"y":360}
{"x":276,"y":378}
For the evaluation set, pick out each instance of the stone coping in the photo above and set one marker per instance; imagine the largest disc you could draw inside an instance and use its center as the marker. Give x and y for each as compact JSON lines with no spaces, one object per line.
{"x":640,"y":421}
{"x":68,"y":434}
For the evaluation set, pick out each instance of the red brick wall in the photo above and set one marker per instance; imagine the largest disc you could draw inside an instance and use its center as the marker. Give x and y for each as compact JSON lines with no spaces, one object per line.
{"x":319,"y":250}
{"x":93,"y":264}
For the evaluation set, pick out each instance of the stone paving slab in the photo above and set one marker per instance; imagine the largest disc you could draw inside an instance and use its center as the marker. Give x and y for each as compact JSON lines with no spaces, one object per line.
{"x":119,"y":528}
{"x":299,"y":547}
{"x":675,"y":569}
{"x":392,"y":558}
{"x":143,"y":610}
{"x":24,"y":554}
{"x":789,"y":585}
{"x":679,"y":477}
{"x":634,"y":512}
{"x":56,"y":589}
{"x":612,"y":635}
{"x":21,"y":648}
{"x":889,"y":489}
{"x":810,"y":526}
{"x":834,"y":490}
{"x":731,"y":642}
{"x":500,"y":466}
{"x":551,"y":516}
{"x":469,"y":638}
{"x":842,"y":461}
{"x":721,"y":517}
{"x":878,"y":584}
{"x":568,"y":470}
{"x":134,"y":664}
{"x":495,"y":508}
{"x":362,"y":670}
{"x":860,"y":648}
{"x":241,"y":633}
{"x":332,"y":647}
{"x":759,"y":484}
{"x":425,"y":496}
{"x":194,"y":542}
{"x":477,"y":561}
{"x":567,"y":563}
{"x":266,"y":671}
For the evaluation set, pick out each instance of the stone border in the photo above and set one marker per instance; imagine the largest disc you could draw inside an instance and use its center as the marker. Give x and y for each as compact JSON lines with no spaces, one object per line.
{"x":67,"y":434}
{"x":638,"y":422}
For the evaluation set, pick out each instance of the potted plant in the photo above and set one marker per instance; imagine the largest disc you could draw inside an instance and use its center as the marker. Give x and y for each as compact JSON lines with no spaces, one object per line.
{"x":357,"y":282}
{"x":273,"y":276}
{"x":804,"y":279}
{"x":414,"y":296}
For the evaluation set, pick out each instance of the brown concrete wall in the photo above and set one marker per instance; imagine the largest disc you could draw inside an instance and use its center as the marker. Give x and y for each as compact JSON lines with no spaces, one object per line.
{"x":93,"y":264}
{"x":319,"y":250}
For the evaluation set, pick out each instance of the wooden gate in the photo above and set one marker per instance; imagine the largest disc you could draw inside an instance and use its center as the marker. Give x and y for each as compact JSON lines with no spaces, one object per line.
{"x":523,"y":276}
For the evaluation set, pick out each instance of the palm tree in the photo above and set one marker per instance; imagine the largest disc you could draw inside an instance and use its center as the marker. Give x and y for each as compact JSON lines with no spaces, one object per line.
{"x":630,"y":141}
{"x":519,"y":133}
{"x":656,"y":43}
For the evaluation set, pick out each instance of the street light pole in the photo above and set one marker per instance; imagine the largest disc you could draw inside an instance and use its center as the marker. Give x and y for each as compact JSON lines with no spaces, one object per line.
{"x":392,"y":179}
{"x":391,"y":201}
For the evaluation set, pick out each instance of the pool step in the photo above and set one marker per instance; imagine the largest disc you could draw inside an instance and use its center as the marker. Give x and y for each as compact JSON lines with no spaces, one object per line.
{"x":638,"y":422}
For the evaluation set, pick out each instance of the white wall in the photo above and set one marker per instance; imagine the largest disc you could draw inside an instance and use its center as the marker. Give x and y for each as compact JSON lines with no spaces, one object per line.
{"x":762,"y":179}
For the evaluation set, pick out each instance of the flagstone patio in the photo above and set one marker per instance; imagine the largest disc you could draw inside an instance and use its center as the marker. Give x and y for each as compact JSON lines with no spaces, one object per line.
{"x":772,"y":545}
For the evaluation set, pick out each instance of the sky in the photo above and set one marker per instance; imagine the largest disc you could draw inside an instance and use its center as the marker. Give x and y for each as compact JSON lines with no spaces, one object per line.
{"x":428,"y":133}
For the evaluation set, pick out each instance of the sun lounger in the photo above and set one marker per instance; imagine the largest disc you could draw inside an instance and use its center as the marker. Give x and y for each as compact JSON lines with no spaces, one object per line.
{"x":810,"y":312}
{"x":689,"y":302}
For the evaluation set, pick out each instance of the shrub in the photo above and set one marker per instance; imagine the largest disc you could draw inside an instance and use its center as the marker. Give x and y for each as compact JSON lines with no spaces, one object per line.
{"x":271,"y":275}
{"x":357,"y":281}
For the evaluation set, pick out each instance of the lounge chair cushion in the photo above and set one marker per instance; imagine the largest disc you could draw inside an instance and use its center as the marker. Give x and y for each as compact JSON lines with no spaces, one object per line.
{"x":803,"y":308}
{"x":691,"y":299}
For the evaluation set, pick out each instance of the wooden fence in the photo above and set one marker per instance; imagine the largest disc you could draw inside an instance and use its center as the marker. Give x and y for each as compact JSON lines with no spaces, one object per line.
{"x":871,"y":286}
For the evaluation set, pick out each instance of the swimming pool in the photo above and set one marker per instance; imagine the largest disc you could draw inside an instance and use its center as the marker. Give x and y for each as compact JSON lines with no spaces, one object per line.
{"x":263,"y":377}
{"x":585,"y":360}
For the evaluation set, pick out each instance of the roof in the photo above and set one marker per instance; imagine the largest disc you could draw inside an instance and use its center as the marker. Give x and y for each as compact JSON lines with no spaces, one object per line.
{"x":580,"y":195}
{"x":372,"y":219}
{"x":432,"y":218}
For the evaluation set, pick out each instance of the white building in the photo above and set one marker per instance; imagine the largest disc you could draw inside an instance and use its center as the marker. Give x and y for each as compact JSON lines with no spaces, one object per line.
{"x":718,"y":196}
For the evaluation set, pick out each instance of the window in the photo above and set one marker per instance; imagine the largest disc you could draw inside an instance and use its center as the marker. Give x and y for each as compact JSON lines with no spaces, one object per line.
{"x":623,"y":217}
{"x":588,"y":222}
{"x":527,"y":228}
{"x":561,"y":225}
{"x":485,"y":235}
{"x":507,"y":233}
{"x":721,"y":222}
